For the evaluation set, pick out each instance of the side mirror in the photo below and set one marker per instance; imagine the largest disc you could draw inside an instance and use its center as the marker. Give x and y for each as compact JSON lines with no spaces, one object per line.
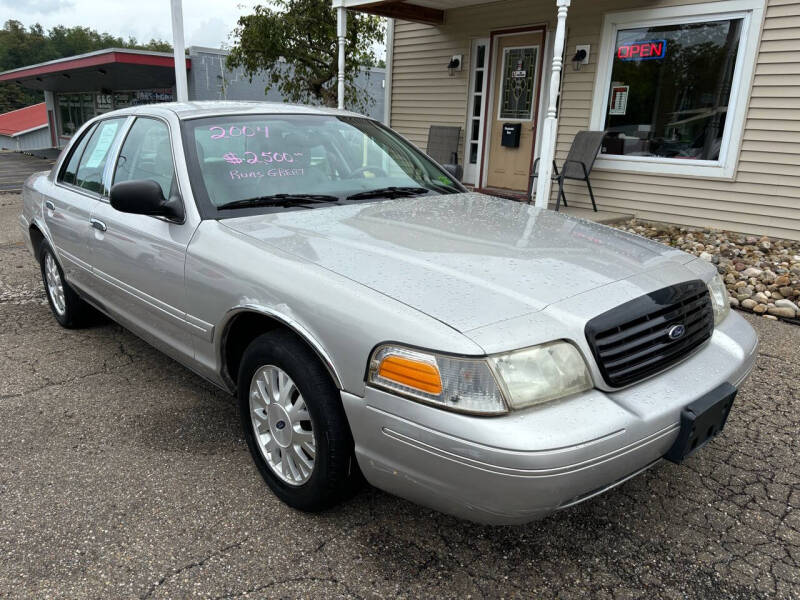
{"x":144,"y":197}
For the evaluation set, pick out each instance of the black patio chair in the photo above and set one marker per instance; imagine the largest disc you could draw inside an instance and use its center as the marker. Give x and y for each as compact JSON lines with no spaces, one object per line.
{"x":578,"y":164}
{"x":443,"y":148}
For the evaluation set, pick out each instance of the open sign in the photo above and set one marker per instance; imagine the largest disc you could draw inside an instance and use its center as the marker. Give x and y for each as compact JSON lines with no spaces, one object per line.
{"x":647,"y":50}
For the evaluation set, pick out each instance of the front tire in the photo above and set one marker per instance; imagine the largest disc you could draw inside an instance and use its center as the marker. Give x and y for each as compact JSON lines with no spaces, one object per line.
{"x":294,"y":423}
{"x":68,"y":308}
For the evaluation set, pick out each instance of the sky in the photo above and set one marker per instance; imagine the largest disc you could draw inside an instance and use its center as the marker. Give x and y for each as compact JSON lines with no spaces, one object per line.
{"x":205,"y":22}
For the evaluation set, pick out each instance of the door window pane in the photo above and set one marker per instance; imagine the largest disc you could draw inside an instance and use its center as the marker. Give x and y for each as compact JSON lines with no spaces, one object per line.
{"x":69,"y":172}
{"x":670,"y":87}
{"x":147,"y":154}
{"x":519,"y":71}
{"x":476,"y":109}
{"x":93,"y":161}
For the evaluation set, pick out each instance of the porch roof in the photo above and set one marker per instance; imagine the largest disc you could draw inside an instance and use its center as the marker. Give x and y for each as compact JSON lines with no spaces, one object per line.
{"x":420,"y":11}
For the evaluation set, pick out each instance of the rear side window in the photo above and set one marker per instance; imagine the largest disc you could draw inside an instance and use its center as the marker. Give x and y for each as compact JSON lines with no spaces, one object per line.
{"x":93,"y":160}
{"x":69,"y":172}
{"x":147,"y":154}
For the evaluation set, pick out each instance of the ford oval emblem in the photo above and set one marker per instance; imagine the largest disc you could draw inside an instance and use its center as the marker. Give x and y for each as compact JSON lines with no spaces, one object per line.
{"x":676,"y":332}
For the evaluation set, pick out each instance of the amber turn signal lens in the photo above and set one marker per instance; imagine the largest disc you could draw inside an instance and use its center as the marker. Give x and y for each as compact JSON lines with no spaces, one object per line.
{"x":417,"y":375}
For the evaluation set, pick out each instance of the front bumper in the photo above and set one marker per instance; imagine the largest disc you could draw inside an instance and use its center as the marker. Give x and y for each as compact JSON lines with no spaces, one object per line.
{"x":527,"y":464}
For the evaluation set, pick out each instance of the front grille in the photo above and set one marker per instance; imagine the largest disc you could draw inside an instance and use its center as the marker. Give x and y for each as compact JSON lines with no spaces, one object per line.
{"x":632,"y":341}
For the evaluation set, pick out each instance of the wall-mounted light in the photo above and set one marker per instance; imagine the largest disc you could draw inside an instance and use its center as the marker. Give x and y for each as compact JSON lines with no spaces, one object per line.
{"x":581,"y":57}
{"x":454,"y":64}
{"x":101,"y":71}
{"x":65,"y":75}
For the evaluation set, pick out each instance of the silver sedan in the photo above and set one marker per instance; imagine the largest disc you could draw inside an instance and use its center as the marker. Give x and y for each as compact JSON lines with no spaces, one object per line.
{"x":377,"y":321}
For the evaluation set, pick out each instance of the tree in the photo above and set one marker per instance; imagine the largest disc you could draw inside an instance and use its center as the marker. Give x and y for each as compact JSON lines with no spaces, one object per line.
{"x":295,"y":43}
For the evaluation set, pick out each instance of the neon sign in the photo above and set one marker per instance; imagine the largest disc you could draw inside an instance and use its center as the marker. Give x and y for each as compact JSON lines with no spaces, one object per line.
{"x":647,"y":50}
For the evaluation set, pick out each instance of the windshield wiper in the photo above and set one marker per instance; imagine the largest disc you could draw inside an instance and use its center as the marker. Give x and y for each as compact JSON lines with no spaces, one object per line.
{"x":279,"y":200}
{"x":389,"y":192}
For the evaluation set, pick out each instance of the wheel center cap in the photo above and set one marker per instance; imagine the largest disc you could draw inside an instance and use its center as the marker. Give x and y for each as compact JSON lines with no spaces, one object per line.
{"x":280,"y":425}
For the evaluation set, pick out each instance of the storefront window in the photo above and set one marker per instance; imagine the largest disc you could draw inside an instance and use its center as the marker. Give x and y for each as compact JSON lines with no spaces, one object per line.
{"x":670,"y":89}
{"x":75,"y":109}
{"x":122,"y":100}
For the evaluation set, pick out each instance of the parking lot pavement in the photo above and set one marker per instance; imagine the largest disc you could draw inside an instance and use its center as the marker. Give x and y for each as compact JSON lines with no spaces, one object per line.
{"x":123,"y":475}
{"x":15,"y":168}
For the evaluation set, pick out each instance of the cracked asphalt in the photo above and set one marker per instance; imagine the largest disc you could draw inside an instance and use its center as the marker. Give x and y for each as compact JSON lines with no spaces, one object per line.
{"x":123,"y":475}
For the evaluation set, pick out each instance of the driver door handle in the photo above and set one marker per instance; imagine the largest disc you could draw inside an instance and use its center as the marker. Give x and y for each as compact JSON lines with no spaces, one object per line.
{"x":49,"y":204}
{"x":98,"y":224}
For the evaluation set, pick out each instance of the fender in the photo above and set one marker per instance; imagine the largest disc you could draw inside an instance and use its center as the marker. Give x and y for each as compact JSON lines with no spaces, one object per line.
{"x":299,"y":330}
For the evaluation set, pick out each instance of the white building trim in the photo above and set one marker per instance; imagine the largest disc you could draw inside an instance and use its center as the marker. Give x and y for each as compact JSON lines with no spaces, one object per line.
{"x":550,"y":127}
{"x":387,"y":77}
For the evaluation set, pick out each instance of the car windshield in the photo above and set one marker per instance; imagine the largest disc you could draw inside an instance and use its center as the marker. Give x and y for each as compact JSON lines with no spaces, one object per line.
{"x":283,"y":161}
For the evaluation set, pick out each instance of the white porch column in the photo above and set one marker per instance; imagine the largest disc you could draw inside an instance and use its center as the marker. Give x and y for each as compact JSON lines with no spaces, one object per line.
{"x":341,"y":32}
{"x":179,"y":52}
{"x":387,"y":78}
{"x":550,"y":127}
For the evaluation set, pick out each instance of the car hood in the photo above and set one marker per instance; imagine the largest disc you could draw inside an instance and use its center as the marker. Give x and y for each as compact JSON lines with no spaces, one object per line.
{"x":468,"y":260}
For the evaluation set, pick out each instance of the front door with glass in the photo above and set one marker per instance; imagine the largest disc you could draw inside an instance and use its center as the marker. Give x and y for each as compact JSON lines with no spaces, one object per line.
{"x":516,"y":82}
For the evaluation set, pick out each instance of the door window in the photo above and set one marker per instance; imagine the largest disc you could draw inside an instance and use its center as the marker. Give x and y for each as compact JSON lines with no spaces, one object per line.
{"x":71,"y":169}
{"x":519,"y":77}
{"x":147,"y":154}
{"x":93,"y":160}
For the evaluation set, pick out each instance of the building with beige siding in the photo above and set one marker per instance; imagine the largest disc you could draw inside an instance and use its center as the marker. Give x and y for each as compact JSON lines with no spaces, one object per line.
{"x":699,"y":101}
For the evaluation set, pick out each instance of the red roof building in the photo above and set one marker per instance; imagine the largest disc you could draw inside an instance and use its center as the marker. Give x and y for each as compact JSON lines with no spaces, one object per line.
{"x":25,"y":128}
{"x":22,"y":120}
{"x":78,"y":88}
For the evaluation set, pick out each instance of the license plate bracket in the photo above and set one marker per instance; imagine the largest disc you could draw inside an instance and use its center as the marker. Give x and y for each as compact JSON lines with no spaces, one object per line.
{"x":701,"y":421}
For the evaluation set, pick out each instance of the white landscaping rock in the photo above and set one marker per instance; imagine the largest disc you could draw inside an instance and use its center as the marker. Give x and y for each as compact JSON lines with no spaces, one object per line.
{"x":787,"y":304}
{"x":762,"y":275}
{"x":752,"y":272}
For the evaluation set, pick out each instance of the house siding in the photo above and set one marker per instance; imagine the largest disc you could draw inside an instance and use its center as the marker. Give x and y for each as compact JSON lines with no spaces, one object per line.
{"x":764,"y":195}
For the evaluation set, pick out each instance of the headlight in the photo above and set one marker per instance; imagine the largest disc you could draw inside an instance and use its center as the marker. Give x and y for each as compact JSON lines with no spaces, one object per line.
{"x":719,"y":298}
{"x":465,"y":385}
{"x":542,"y":373}
{"x":487,"y":386}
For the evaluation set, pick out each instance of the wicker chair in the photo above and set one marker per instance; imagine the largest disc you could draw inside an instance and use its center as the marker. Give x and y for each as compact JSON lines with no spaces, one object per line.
{"x":577,"y":166}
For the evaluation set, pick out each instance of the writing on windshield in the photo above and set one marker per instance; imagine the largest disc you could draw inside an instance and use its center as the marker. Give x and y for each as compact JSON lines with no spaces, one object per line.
{"x":219,"y":132}
{"x":252,"y":158}
{"x":236,"y":174}
{"x":242,"y":157}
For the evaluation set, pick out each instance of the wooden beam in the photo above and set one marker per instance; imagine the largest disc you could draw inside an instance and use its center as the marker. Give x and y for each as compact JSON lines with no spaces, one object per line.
{"x":403,"y":10}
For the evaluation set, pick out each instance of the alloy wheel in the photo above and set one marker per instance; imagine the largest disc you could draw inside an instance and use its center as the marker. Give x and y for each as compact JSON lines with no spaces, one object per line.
{"x":282,"y":425}
{"x":55,"y":286}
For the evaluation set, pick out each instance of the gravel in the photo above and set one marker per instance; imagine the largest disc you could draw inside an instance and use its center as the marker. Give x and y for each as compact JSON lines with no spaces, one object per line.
{"x":762,"y":274}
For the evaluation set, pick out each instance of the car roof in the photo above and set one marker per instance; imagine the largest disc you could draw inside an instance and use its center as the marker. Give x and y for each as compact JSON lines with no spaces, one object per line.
{"x":211,"y":108}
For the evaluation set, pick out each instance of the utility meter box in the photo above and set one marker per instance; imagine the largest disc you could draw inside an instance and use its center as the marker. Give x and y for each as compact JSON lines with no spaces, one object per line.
{"x":511,"y":135}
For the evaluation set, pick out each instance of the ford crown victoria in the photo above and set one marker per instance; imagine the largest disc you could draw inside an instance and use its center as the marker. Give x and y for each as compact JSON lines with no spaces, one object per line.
{"x":477,"y":355}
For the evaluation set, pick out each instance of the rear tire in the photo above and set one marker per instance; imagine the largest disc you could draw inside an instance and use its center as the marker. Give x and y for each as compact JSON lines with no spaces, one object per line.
{"x":294,"y":423}
{"x":68,"y":308}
